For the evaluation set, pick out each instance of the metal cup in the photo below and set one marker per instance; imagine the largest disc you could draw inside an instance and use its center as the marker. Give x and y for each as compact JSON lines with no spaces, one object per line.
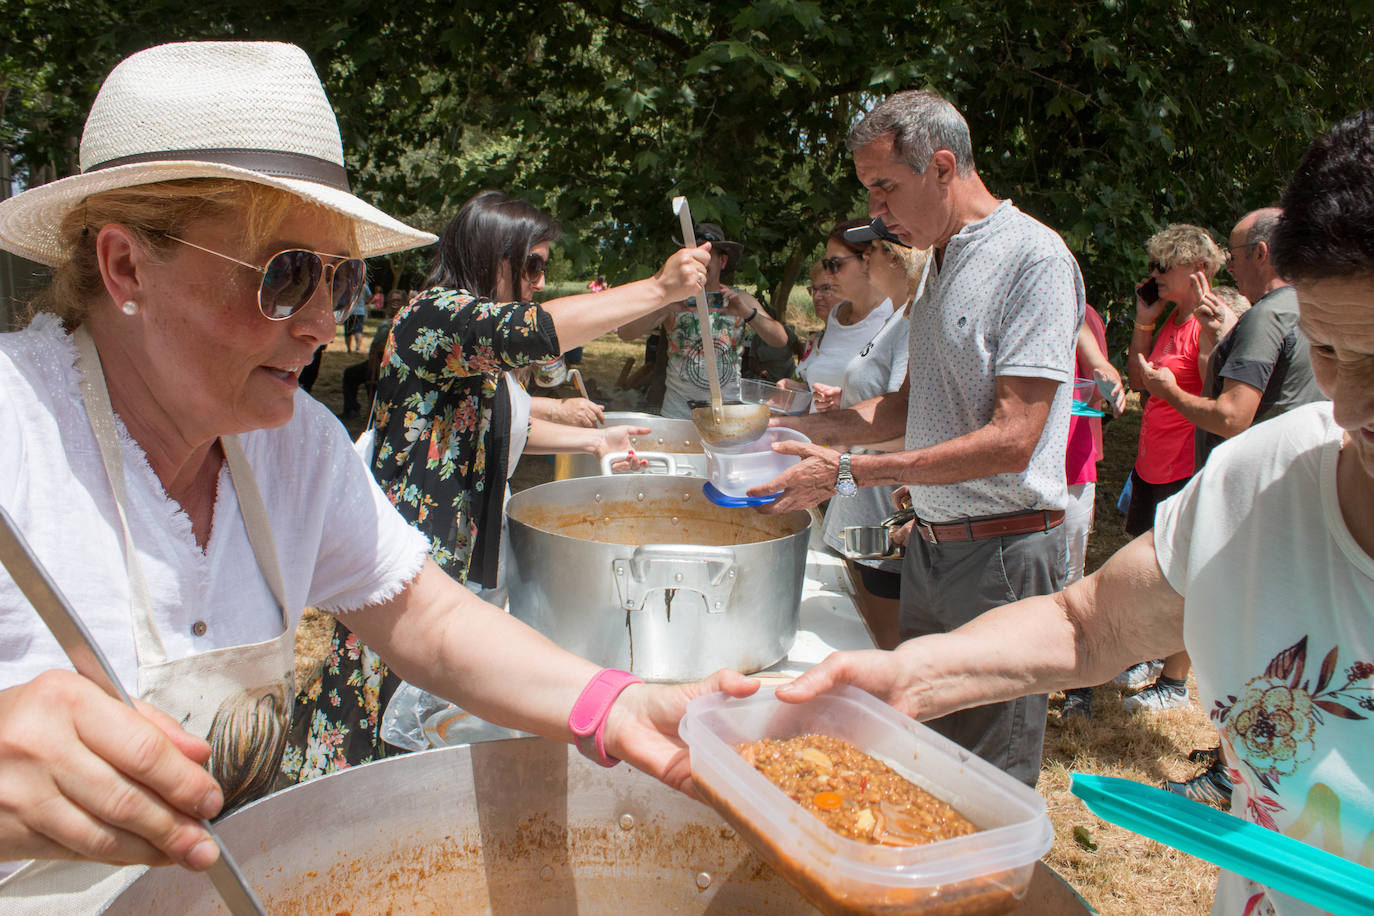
{"x":869,"y":542}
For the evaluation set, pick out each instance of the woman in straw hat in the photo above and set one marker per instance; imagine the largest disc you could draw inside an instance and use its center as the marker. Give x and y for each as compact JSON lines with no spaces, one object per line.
{"x":189,"y":501}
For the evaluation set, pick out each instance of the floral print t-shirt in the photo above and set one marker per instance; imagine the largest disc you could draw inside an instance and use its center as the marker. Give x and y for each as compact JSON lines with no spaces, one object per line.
{"x":686,"y":379}
{"x":440,"y":373}
{"x":1279,"y":621}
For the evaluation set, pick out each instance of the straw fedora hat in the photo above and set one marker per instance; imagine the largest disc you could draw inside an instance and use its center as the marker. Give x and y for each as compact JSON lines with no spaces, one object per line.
{"x":254,"y":111}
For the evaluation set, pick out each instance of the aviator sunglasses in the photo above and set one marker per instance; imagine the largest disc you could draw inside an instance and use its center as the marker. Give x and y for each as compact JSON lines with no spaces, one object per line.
{"x":290,"y":278}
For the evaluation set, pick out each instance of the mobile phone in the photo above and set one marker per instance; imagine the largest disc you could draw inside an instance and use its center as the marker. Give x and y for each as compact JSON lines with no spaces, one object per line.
{"x":1148,"y":291}
{"x":715,"y":300}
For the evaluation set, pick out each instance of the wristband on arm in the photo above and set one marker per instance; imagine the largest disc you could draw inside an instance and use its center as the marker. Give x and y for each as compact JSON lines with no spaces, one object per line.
{"x":588,"y":718}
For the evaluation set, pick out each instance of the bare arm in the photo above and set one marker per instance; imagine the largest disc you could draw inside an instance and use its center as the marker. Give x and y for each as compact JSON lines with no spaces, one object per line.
{"x":1003,"y":445}
{"x":585,"y":317}
{"x":1124,"y":612}
{"x":548,"y":438}
{"x":633,"y":330}
{"x":572,"y":411}
{"x":743,"y":306}
{"x":441,"y":637}
{"x":1147,"y":319}
{"x":1230,"y":414}
{"x":1088,"y":350}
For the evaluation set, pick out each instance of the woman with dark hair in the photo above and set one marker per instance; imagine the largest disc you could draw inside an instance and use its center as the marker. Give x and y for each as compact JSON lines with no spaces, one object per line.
{"x":1262,"y":566}
{"x":444,"y":428}
{"x":736,"y":316}
{"x":861,"y":311}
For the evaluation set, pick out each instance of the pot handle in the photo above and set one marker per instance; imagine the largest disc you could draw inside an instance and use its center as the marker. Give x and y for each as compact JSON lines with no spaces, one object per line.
{"x":655,"y":459}
{"x":709,"y":571}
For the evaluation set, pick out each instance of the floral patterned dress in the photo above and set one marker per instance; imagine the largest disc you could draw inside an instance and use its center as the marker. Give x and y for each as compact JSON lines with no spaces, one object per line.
{"x":440,"y":455}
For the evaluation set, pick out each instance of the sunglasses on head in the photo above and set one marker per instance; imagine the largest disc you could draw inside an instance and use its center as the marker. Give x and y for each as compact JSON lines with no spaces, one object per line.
{"x":833,"y":265}
{"x":534,"y":267}
{"x":290,"y":278}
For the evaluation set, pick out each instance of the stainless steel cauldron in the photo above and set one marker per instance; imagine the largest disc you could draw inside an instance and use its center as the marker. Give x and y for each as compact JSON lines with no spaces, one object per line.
{"x":645,"y":574}
{"x":515,"y":827}
{"x":674,"y":441}
{"x":522,"y":826}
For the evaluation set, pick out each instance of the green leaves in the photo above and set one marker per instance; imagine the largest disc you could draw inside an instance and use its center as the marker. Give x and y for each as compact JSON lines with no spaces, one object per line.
{"x":1106,"y":120}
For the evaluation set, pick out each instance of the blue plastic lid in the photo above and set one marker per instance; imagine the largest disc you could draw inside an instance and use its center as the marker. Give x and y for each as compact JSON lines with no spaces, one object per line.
{"x":709,"y":490}
{"x":1081,"y":409}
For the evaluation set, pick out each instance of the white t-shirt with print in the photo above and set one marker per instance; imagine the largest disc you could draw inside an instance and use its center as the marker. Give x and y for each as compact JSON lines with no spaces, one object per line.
{"x":1279,"y":623}
{"x":342,"y":546}
{"x":839,"y":345}
{"x":1007,"y":300}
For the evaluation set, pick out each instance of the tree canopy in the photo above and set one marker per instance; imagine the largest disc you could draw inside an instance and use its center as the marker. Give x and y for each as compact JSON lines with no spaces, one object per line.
{"x":1106,"y":119}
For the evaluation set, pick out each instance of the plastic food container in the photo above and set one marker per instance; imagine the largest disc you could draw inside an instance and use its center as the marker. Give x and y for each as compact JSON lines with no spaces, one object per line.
{"x":977,"y":875}
{"x":779,"y":399}
{"x":734,"y":469}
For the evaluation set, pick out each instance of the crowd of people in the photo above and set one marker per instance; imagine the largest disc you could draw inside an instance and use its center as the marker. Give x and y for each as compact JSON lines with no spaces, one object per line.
{"x":155,"y":403}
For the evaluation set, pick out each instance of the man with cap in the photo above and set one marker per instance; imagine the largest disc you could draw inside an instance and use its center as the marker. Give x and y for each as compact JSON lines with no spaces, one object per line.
{"x":985,"y":409}
{"x":736,"y":317}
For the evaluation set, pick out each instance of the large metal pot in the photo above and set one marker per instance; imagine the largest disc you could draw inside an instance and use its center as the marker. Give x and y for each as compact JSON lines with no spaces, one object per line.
{"x":515,"y":827}
{"x":672,"y":447}
{"x":522,"y":826}
{"x":645,"y":574}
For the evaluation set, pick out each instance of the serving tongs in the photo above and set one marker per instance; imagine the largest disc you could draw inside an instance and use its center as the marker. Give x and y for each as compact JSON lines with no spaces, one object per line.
{"x":33,"y":580}
{"x":1313,"y":875}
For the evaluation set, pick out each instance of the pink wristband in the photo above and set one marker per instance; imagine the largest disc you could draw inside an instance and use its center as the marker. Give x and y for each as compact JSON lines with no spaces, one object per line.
{"x":589,"y":713}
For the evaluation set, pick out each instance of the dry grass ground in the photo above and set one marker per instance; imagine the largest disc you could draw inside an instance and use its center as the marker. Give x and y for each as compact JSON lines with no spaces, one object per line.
{"x":1126,"y":875}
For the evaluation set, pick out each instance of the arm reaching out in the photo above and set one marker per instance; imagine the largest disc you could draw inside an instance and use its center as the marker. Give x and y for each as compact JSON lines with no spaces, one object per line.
{"x":1124,"y":612}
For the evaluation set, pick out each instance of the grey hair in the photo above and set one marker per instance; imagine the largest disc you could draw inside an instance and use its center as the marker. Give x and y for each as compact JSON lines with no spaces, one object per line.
{"x":1263,"y":228}
{"x":920,"y":123}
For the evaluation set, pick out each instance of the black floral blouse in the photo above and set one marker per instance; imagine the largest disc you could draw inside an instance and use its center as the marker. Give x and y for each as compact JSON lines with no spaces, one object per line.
{"x":440,"y":450}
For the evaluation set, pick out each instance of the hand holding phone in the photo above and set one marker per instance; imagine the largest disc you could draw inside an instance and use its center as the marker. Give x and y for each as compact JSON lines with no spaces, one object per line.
{"x":1148,"y":292}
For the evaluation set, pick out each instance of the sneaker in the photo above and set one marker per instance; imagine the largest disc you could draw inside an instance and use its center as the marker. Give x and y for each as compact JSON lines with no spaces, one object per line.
{"x":1078,"y":704}
{"x":1140,"y":674}
{"x":1158,"y":697}
{"x":1212,"y":786}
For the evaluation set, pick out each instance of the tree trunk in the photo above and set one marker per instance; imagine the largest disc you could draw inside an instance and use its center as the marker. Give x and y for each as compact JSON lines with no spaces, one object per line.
{"x":777,"y":300}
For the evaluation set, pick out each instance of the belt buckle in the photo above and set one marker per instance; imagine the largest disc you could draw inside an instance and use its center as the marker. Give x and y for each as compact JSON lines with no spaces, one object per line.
{"x":927,"y":530}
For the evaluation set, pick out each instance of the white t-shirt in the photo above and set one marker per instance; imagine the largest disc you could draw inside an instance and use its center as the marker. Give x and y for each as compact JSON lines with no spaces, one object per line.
{"x":878,"y":371}
{"x":341,"y":544}
{"x":842,"y":342}
{"x":1006,"y":301}
{"x":1279,"y":622}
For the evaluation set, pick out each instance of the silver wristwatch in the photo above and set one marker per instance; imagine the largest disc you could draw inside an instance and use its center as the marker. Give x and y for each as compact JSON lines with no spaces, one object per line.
{"x":844,"y":480}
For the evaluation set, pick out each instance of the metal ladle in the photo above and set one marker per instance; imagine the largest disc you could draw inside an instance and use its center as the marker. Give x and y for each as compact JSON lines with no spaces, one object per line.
{"x":720,"y":424}
{"x":33,"y":580}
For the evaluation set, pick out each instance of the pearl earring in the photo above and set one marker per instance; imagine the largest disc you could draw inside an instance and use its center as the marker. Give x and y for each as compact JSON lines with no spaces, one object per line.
{"x":130,"y":307}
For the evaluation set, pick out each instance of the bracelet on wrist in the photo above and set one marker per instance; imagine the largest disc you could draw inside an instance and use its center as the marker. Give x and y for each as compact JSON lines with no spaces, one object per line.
{"x":752,"y":315}
{"x":1144,"y":327}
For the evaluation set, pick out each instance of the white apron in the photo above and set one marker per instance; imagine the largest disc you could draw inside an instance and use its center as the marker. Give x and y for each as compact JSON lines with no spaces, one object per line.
{"x":238,"y":697}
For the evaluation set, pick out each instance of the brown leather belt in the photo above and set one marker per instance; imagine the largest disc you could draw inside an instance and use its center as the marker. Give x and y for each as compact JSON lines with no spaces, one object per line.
{"x":989,"y":526}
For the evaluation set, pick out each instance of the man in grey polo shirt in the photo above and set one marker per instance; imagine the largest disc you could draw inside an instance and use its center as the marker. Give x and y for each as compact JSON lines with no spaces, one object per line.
{"x":985,"y":408}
